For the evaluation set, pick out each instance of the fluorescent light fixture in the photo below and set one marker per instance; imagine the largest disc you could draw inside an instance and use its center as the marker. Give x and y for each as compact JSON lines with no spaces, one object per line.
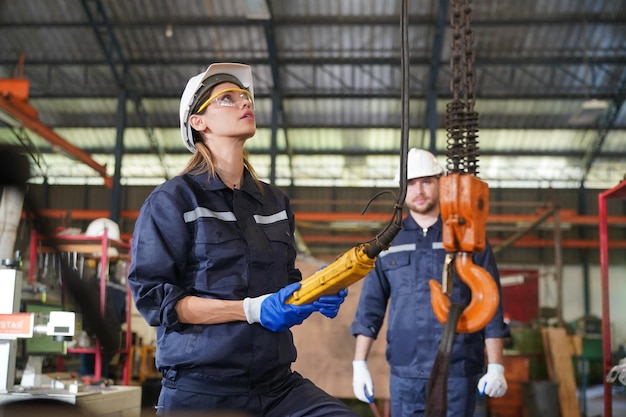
{"x":589,"y":112}
{"x":255,"y":9}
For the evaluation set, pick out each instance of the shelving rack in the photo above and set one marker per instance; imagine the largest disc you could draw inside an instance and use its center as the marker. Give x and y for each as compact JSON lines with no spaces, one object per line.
{"x":96,"y":247}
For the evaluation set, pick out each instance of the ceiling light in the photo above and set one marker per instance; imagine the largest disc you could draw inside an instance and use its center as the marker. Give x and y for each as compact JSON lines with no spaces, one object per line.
{"x":589,"y":112}
{"x":255,"y":9}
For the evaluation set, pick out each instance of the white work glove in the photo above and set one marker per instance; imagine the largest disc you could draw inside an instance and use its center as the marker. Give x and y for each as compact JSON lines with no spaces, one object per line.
{"x":493,"y":382}
{"x":362,"y":383}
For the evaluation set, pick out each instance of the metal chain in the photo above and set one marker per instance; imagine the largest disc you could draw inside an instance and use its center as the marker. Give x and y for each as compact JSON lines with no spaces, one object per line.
{"x":461,"y":118}
{"x":471,"y":119}
{"x":468,"y":39}
{"x":456,"y":57}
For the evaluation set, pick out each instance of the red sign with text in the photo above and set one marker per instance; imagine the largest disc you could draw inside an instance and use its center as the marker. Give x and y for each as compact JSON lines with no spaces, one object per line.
{"x":16,"y":325}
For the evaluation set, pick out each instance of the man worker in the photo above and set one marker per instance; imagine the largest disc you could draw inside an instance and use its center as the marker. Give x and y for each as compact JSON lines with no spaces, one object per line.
{"x":400,"y":279}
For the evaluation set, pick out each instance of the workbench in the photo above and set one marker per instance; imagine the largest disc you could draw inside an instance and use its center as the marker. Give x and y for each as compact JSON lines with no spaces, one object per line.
{"x":112,"y":401}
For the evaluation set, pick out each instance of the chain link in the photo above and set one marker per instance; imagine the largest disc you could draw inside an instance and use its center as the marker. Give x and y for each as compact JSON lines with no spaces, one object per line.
{"x":456,"y":57}
{"x":461,"y":118}
{"x":468,"y":38}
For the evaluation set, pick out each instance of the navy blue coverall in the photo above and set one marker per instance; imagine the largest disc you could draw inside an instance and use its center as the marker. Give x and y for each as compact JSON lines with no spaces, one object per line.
{"x":401,"y":275}
{"x":194,"y":236}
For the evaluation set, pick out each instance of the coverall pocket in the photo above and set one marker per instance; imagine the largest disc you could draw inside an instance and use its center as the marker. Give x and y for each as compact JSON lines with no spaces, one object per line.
{"x":397,"y":267}
{"x":283,"y":251}
{"x":218,"y":250}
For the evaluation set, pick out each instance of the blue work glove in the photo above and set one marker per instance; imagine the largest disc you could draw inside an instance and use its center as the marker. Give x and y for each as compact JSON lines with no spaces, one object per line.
{"x":271,"y":311}
{"x":328,"y":305}
{"x":493,"y":382}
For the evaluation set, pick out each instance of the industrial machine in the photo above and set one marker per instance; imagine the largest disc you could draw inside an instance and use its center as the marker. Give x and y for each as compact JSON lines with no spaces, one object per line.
{"x":15,"y":324}
{"x":35,"y":387}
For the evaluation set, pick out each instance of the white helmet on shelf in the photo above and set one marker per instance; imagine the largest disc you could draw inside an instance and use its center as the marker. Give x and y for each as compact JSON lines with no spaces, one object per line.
{"x":420,"y":163}
{"x":97,"y":228}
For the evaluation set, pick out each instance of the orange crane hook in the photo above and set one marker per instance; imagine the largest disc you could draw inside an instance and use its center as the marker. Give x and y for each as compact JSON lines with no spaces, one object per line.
{"x":484,"y":301}
{"x":464,"y":202}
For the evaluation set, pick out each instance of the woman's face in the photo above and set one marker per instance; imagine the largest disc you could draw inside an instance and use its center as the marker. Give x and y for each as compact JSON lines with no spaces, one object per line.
{"x":229,"y":114}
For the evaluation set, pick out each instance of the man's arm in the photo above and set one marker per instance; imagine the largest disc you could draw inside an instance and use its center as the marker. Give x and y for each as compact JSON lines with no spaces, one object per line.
{"x":494,"y":348}
{"x":362,"y":347}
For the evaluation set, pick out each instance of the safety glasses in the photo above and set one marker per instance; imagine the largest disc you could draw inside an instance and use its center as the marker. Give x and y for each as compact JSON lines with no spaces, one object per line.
{"x":231,"y":97}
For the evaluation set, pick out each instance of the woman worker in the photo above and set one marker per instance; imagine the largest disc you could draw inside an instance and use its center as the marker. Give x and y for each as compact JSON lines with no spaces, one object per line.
{"x":213,"y":263}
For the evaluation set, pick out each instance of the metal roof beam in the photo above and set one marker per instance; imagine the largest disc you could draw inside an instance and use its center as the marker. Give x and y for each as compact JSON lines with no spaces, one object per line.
{"x":115,"y":58}
{"x":594,"y":151}
{"x":107,"y":40}
{"x":389,"y":20}
{"x":566,"y":94}
{"x":277,"y":98}
{"x":606,"y":124}
{"x":612,"y":155}
{"x":26,"y":116}
{"x":553,"y":60}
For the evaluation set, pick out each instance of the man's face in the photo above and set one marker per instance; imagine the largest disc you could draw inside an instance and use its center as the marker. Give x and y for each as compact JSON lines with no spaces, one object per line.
{"x":422,"y":195}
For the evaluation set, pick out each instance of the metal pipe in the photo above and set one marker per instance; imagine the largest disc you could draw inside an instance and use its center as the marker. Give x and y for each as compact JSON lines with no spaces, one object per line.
{"x":522,"y":232}
{"x":558,"y":264}
{"x":15,"y":109}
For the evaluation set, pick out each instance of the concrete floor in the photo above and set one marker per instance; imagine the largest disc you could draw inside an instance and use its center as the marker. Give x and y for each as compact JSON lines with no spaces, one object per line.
{"x":595,"y":402}
{"x":594,"y":405}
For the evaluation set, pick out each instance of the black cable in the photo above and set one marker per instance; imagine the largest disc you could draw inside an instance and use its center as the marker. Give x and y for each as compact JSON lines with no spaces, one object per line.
{"x":383,"y":238}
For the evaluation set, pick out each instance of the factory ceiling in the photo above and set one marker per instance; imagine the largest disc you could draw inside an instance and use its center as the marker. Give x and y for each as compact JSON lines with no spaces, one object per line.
{"x":101,"y":82}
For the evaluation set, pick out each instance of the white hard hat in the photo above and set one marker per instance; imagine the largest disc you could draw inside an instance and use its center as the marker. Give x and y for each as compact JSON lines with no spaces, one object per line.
{"x":201,"y":84}
{"x":420,"y":163}
{"x":97,"y":227}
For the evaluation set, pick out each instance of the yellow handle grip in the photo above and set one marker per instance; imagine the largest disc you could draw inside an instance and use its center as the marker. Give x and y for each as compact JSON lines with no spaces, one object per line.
{"x":345,"y":271}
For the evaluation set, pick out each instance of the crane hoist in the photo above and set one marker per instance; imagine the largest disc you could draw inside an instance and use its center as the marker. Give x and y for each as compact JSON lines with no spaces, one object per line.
{"x":464,"y":205}
{"x":464,"y":198}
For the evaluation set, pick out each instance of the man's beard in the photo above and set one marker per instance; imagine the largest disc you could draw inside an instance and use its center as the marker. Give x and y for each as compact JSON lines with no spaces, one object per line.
{"x":423,"y":209}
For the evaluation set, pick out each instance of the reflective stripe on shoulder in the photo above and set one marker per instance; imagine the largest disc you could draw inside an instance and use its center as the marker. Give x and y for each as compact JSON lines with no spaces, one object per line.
{"x":191,"y":216}
{"x":437,"y":245}
{"x":229,"y":216}
{"x":272,"y":218}
{"x":400,"y":248}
